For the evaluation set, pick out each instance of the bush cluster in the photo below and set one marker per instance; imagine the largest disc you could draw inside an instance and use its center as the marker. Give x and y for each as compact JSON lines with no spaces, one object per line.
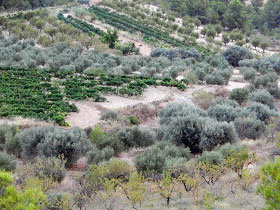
{"x":235,"y":54}
{"x":184,"y":124}
{"x":160,"y":157}
{"x":53,"y":142}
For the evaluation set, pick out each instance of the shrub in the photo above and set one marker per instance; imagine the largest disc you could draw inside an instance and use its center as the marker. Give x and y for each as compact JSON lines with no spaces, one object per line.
{"x":219,"y":154}
{"x":270,"y":183}
{"x":215,"y":78}
{"x":212,"y":157}
{"x":95,"y":155}
{"x":215,"y":133}
{"x":133,"y":120}
{"x":183,"y":130}
{"x":193,"y":129}
{"x":261,"y":111}
{"x":52,"y":167}
{"x":16,"y":199}
{"x":58,"y":200}
{"x":249,"y":128}
{"x":12,"y":145}
{"x":178,"y":109}
{"x":249,"y":74}
{"x":240,"y":95}
{"x":52,"y":141}
{"x":7,"y":163}
{"x":235,"y":54}
{"x":109,"y":115}
{"x":203,"y":99}
{"x":262,"y":96}
{"x":225,"y":101}
{"x":7,"y":129}
{"x":96,"y":133}
{"x":110,"y":140}
{"x":135,"y":137}
{"x":222,"y":112}
{"x":156,"y":159}
{"x":116,"y":169}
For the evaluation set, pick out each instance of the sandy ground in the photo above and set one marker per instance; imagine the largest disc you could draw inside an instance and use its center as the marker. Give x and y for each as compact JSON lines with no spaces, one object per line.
{"x":94,"y":2}
{"x":88,"y":115}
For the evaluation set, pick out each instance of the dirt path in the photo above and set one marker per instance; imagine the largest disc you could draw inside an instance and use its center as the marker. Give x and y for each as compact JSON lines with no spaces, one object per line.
{"x":94,"y":2}
{"x":88,"y":115}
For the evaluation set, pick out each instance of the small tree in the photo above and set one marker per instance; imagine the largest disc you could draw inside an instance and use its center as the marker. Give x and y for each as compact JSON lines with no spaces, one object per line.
{"x":110,"y":38}
{"x":218,"y":29}
{"x":204,"y":31}
{"x":166,"y":186}
{"x":135,"y":189}
{"x":264,"y":45}
{"x":255,"y":42}
{"x":211,"y":33}
{"x":270,"y":183}
{"x":197,"y":22}
{"x":225,"y":39}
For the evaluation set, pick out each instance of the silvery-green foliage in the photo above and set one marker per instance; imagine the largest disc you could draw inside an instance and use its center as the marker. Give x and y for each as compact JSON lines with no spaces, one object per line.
{"x":53,"y":142}
{"x":260,"y":111}
{"x":249,"y":127}
{"x":226,"y":101}
{"x":262,"y":96}
{"x":136,"y":137}
{"x":222,"y":112}
{"x":162,"y":156}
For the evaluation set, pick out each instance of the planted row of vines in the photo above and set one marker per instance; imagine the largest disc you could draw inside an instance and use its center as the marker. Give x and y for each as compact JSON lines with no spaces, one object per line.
{"x":124,"y":23}
{"x":82,"y":25}
{"x":45,"y":94}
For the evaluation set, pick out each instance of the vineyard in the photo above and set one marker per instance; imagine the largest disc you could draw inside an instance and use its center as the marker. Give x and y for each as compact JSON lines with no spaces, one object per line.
{"x":45,"y":94}
{"x":82,"y":25}
{"x":124,"y":23}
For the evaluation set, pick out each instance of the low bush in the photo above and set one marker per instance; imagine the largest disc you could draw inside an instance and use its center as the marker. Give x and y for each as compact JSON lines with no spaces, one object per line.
{"x":240,"y":95}
{"x":95,"y":155}
{"x":12,"y":145}
{"x":262,"y":96}
{"x":235,"y":54}
{"x":110,"y":140}
{"x":270,"y":183}
{"x":219,"y":154}
{"x":215,"y":78}
{"x":203,"y":99}
{"x":249,"y":74}
{"x":178,"y":109}
{"x":135,"y":137}
{"x":194,"y":131}
{"x":226,"y":101}
{"x":116,"y":168}
{"x":7,"y":129}
{"x":261,"y":111}
{"x":58,"y":200}
{"x":222,"y":112}
{"x":216,"y":133}
{"x":248,"y":127}
{"x":133,"y":120}
{"x":53,"y":141}
{"x":7,"y":163}
{"x":95,"y":134}
{"x":109,"y":115}
{"x":52,"y":167}
{"x":159,"y":157}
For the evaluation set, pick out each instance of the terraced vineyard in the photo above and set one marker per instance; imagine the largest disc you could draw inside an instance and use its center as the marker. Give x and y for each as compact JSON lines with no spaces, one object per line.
{"x":82,"y":25}
{"x":45,"y":94}
{"x":122,"y":22}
